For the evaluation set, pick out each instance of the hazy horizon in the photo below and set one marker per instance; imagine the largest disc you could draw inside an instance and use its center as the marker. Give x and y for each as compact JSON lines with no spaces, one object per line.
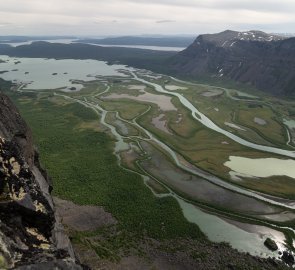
{"x":142,"y":17}
{"x":136,"y":35}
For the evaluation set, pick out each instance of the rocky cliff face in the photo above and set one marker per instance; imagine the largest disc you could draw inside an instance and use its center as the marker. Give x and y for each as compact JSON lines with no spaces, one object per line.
{"x":261,"y":60}
{"x":31,"y":235}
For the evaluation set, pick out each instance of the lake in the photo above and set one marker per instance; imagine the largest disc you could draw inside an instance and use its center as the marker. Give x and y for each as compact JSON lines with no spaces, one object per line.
{"x":70,"y":41}
{"x":38,"y":73}
{"x":261,"y":167}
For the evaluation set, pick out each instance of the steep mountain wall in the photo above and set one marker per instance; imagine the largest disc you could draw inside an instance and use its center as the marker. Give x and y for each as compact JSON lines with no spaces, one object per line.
{"x":31,"y":236}
{"x":263,"y":61}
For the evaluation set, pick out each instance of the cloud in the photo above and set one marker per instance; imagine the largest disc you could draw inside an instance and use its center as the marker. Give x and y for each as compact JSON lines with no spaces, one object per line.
{"x":4,"y":24}
{"x":256,"y":5}
{"x":125,"y":17}
{"x":165,"y":21}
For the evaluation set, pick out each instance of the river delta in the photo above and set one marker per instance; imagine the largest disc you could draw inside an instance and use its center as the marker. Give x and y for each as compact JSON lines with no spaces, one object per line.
{"x":196,"y":143}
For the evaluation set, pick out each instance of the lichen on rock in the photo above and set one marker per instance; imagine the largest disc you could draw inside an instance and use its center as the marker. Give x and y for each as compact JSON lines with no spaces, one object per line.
{"x":28,"y":236}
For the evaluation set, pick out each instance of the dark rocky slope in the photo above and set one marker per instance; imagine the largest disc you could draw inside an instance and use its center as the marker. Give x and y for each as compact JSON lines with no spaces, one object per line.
{"x":263,"y":61}
{"x":31,"y":236}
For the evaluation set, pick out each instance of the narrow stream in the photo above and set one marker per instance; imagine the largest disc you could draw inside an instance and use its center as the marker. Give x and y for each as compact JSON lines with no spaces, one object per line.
{"x":121,"y":146}
{"x":210,"y":124}
{"x":216,"y":227}
{"x":221,"y":230}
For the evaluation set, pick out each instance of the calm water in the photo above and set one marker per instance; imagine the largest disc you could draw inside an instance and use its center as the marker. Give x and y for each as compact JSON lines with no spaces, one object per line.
{"x":38,"y":72}
{"x":153,"y":48}
{"x":261,"y":167}
{"x":244,"y":237}
{"x":64,"y":41}
{"x":70,"y":41}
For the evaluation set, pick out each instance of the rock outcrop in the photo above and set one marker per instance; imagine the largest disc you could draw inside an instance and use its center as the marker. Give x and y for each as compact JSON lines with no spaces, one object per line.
{"x":263,"y":61}
{"x":271,"y":244}
{"x":31,"y":235}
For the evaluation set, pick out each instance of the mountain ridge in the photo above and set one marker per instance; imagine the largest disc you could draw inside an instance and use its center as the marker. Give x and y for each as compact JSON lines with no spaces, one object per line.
{"x":251,"y":59}
{"x":263,"y":61}
{"x":224,"y":38}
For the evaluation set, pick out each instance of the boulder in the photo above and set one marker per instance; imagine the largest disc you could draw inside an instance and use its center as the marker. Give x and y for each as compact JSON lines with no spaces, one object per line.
{"x":271,"y":244}
{"x":288,"y":258}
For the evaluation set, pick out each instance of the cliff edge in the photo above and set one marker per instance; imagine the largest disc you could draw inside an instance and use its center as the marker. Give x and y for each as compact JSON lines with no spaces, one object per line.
{"x":31,"y":235}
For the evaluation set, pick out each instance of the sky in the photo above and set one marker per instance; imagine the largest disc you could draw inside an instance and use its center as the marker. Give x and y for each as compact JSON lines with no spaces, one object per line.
{"x":131,"y":17}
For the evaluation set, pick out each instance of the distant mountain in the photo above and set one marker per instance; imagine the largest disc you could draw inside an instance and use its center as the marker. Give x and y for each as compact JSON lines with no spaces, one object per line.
{"x":143,"y":41}
{"x":261,"y":60}
{"x":228,"y":37}
{"x":253,"y":58}
{"x":17,"y":39}
{"x":140,"y":58}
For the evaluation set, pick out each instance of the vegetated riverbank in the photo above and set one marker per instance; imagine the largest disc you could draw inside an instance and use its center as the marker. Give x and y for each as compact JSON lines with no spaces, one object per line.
{"x":87,"y":99}
{"x":87,"y":149}
{"x":215,"y":170}
{"x":216,"y":165}
{"x":121,"y":146}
